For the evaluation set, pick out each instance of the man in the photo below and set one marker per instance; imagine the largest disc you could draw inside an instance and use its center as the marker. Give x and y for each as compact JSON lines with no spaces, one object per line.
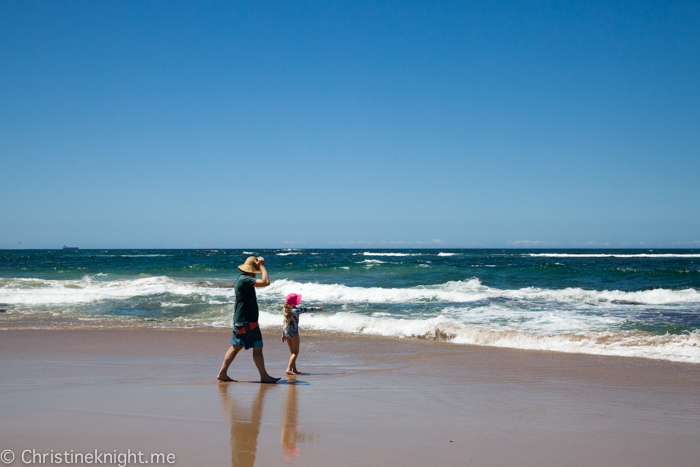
{"x":246,"y":332}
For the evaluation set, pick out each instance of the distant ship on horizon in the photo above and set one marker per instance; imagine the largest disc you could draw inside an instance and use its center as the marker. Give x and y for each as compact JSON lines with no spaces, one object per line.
{"x":71,"y":248}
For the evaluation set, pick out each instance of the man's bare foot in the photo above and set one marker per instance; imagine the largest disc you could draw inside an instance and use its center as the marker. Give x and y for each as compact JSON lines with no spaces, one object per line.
{"x":269,"y":379}
{"x":225,"y":378}
{"x":290,"y":373}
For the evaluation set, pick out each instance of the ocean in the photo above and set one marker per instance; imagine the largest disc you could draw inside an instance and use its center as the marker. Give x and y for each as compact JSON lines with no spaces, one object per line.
{"x":636,"y":303}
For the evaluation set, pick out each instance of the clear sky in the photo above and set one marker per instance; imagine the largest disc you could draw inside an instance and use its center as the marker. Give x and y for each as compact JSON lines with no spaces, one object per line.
{"x":349,"y":124}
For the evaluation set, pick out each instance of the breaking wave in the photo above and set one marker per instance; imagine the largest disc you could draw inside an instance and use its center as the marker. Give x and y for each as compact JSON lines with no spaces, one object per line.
{"x":679,"y":348}
{"x":86,"y":290}
{"x":473,"y":290}
{"x":56,"y":292}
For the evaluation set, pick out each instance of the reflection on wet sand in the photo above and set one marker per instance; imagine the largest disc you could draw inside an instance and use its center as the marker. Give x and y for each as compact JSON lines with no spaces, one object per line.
{"x":291,"y":437}
{"x":245,"y":425}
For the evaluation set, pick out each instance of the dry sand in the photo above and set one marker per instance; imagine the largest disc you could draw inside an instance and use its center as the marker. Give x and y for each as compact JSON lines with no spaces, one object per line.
{"x":367,"y":401}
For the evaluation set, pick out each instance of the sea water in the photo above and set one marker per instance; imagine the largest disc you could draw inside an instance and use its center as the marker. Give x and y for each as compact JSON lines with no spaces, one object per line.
{"x":643,"y":303}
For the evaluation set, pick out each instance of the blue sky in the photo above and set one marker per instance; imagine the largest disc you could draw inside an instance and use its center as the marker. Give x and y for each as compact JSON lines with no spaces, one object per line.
{"x":342,"y":124}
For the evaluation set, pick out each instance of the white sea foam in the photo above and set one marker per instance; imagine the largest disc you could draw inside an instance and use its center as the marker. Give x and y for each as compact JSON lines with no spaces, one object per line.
{"x":536,"y":319}
{"x":55,"y":292}
{"x":247,"y":252}
{"x":470,"y":291}
{"x":289,"y":253}
{"x":680,"y":348}
{"x":446,"y":254}
{"x":371,"y":261}
{"x":612,"y":255}
{"x":40,"y":291}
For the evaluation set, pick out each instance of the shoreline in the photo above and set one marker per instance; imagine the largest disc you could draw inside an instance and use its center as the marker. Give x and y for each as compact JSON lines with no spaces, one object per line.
{"x":644,"y":305}
{"x":366,"y":399}
{"x":42,"y":323}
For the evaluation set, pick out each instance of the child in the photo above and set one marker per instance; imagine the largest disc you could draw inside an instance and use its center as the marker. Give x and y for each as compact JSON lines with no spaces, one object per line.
{"x":290,"y":333}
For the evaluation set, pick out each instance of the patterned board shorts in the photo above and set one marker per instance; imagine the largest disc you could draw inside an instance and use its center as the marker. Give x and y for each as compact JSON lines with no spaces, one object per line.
{"x":247,"y":334}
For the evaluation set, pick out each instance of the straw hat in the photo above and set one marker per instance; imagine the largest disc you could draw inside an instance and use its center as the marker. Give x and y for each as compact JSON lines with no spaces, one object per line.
{"x":250,"y":265}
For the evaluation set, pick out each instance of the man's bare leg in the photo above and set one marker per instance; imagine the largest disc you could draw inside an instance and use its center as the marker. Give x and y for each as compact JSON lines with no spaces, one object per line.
{"x":260,"y":363}
{"x":228,"y":359}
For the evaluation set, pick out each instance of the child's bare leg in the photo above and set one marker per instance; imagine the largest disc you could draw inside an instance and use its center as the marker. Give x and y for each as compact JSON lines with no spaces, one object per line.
{"x":228,"y":359}
{"x":297,"y":341}
{"x":260,"y":363}
{"x":294,"y":350}
{"x":292,"y":356}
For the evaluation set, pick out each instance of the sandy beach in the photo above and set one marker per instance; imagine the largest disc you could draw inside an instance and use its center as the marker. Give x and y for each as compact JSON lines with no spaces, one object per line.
{"x":481,"y":218}
{"x":371,"y":401}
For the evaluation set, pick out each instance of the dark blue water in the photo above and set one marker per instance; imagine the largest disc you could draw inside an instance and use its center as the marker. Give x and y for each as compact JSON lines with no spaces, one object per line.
{"x":617,"y":269}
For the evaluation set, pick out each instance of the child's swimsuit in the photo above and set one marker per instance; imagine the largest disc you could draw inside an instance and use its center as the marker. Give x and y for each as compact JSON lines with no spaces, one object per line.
{"x":293,"y":328}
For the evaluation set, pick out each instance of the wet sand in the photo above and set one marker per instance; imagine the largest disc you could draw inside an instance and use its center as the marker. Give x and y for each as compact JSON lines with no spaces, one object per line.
{"x":368,"y":401}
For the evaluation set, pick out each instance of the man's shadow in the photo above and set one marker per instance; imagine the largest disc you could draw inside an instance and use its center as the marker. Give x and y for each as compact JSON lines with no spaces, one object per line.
{"x":245,"y":424}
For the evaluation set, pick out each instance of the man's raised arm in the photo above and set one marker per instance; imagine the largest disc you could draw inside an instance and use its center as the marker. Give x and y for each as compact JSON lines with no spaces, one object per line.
{"x":264,"y":281}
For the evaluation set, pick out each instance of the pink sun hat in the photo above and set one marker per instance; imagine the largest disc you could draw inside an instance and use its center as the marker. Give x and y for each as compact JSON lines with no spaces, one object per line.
{"x":294,"y":299}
